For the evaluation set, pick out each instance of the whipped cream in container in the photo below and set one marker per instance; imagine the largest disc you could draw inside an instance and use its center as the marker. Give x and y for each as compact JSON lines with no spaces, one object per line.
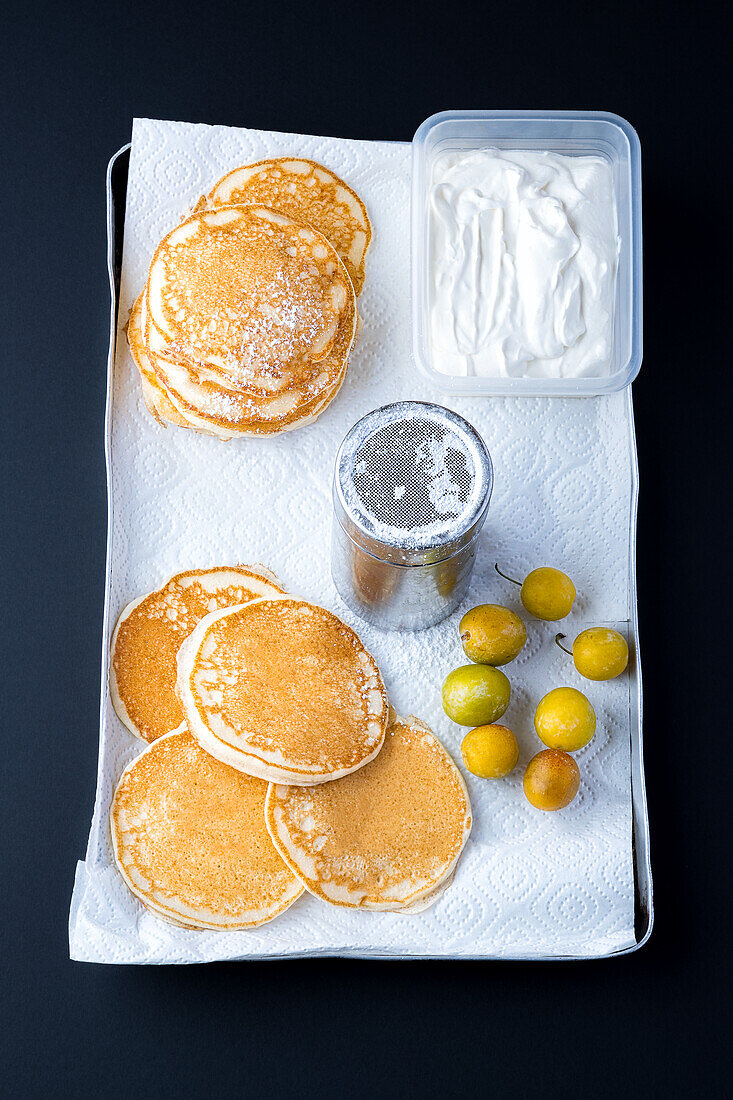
{"x":523,"y":256}
{"x":526,"y":257}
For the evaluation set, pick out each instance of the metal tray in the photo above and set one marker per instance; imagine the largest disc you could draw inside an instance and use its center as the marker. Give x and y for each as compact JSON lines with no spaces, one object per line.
{"x":643,"y":900}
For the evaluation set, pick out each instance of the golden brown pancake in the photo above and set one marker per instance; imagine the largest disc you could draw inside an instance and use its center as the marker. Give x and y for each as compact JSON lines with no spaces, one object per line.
{"x":283,"y":690}
{"x":156,"y":398}
{"x":228,"y":410}
{"x":251,"y":315}
{"x":383,"y":838}
{"x":190,"y":841}
{"x":150,"y":630}
{"x":307,"y":192}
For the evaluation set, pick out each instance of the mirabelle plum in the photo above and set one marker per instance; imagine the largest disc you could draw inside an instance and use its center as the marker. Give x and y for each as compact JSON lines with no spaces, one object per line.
{"x":551,"y":780}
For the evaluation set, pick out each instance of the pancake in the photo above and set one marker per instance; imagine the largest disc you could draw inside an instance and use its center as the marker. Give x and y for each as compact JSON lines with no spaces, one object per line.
{"x":307,"y":192}
{"x":384,"y":838}
{"x":428,"y":901}
{"x":248,"y":291}
{"x":284,"y":690}
{"x":155,"y":396}
{"x":226,"y":410}
{"x":255,"y":321}
{"x":149,"y":632}
{"x":237,"y":378}
{"x":190,"y":841}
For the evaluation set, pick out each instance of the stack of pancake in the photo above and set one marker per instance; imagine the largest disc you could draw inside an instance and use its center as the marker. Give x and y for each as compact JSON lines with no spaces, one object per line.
{"x":248,"y":315}
{"x":274,"y":762}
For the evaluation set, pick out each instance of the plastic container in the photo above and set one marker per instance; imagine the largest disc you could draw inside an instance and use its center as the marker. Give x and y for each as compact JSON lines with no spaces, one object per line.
{"x":580,"y":133}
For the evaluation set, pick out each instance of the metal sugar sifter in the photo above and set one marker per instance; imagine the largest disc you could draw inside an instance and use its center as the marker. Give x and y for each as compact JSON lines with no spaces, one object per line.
{"x":411,"y":490}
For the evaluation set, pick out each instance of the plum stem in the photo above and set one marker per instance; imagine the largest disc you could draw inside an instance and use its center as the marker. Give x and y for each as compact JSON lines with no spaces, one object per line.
{"x":498,"y":570}
{"x":559,"y":638}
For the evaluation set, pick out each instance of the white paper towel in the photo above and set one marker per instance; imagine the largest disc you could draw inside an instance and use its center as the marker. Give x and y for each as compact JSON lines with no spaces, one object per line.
{"x":529,"y":883}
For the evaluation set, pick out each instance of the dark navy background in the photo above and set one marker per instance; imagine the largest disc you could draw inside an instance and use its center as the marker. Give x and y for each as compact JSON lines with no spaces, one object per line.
{"x":71,"y":79}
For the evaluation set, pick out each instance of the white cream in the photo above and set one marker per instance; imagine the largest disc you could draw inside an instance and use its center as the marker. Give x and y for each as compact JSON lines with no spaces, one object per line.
{"x":523,"y":255}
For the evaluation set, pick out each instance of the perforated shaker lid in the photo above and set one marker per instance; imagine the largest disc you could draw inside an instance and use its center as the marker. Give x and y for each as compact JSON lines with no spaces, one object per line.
{"x":412,"y":483}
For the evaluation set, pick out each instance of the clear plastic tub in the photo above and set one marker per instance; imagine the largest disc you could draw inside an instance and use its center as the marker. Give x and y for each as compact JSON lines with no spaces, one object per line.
{"x":580,"y":133}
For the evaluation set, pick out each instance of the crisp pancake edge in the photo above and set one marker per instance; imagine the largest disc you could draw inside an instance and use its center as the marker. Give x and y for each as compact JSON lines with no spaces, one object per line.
{"x":119,"y":707}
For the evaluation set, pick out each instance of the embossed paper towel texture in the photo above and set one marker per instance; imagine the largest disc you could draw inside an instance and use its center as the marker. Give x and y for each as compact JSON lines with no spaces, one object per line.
{"x":529,"y":883}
